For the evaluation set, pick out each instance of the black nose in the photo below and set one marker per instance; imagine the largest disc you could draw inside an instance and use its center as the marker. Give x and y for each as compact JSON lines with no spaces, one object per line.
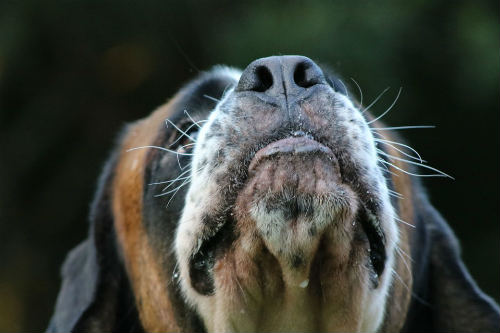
{"x":283,"y":75}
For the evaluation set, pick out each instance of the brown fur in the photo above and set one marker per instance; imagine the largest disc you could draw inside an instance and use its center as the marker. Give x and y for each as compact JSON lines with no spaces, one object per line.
{"x":142,"y":264}
{"x":403,"y":282}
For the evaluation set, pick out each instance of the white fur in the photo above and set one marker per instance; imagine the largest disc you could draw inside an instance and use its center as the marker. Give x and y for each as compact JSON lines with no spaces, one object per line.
{"x":203,"y":196}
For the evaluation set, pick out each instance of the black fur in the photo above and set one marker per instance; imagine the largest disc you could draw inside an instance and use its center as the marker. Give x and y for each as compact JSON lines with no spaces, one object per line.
{"x":445,"y":297}
{"x":95,"y":294}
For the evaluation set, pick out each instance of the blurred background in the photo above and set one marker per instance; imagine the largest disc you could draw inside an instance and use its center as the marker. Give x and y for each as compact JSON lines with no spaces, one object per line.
{"x":72,"y":73}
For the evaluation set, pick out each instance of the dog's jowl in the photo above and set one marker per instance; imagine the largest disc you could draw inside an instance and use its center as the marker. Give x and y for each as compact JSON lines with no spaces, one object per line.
{"x":267,"y":200}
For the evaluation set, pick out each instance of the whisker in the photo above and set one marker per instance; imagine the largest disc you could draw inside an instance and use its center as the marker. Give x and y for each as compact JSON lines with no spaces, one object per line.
{"x":177,"y":128}
{"x":401,"y":127}
{"x":180,"y":137}
{"x":160,"y":148}
{"x":346,"y":92}
{"x":360,"y":91}
{"x":212,"y":98}
{"x":395,"y":194}
{"x":389,"y":109}
{"x":404,"y":222}
{"x":404,"y":253}
{"x":391,"y":143}
{"x":173,"y":195}
{"x":402,"y":152}
{"x":387,"y":169}
{"x":178,"y":178}
{"x":410,"y":173}
{"x":226,"y":88}
{"x":169,"y":181}
{"x":375,"y":100}
{"x":402,"y":258}
{"x":184,"y":182}
{"x":194,"y":122}
{"x":174,"y":181}
{"x":400,"y":279}
{"x":417,"y":164}
{"x":418,"y":298}
{"x":179,"y":162}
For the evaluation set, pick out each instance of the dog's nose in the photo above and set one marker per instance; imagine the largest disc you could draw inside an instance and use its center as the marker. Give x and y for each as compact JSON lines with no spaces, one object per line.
{"x":281,"y":76}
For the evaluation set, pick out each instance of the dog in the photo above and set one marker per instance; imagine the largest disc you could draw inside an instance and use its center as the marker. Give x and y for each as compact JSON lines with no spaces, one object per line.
{"x":267,"y":199}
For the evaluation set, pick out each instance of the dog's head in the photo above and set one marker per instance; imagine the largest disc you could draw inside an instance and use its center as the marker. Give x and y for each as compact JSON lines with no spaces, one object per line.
{"x":268,"y":201}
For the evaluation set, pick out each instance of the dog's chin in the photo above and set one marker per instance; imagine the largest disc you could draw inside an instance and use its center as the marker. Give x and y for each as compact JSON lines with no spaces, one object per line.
{"x":296,"y":199}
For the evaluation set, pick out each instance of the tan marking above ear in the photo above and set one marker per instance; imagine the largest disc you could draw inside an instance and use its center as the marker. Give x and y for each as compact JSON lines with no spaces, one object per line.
{"x":146,"y":275}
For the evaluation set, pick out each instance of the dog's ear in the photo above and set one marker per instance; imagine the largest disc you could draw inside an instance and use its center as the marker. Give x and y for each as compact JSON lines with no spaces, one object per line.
{"x":446,"y":298}
{"x":95,"y":289}
{"x":80,"y":275}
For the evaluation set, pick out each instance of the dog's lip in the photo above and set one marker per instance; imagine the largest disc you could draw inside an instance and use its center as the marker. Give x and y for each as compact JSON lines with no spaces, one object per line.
{"x":290,"y":145}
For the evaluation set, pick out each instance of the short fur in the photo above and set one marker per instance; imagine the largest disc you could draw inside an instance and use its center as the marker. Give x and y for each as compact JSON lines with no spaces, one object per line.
{"x":207,"y":256}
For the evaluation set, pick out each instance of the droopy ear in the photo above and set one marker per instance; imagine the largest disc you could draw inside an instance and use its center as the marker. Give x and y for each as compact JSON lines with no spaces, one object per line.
{"x":95,"y":288}
{"x":450,"y":300}
{"x":80,"y":275}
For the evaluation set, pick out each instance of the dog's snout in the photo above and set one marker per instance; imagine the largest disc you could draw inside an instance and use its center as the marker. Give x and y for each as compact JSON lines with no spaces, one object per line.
{"x":281,"y":76}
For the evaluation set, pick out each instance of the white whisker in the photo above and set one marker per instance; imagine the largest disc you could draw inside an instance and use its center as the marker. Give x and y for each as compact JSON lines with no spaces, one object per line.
{"x":169,"y":181}
{"x":387,"y":169}
{"x":410,"y":173}
{"x":395,"y":194}
{"x":404,"y":222}
{"x":405,"y":254}
{"x":401,"y":127}
{"x":400,"y":280}
{"x":177,"y":128}
{"x":375,"y":100}
{"x":180,"y":137}
{"x":388,"y":109}
{"x":160,"y":148}
{"x":184,"y":182}
{"x":391,"y":143}
{"x":178,"y":188}
{"x":174,"y":181}
{"x":212,"y":98}
{"x":418,"y":298}
{"x":402,"y":258}
{"x":179,"y":162}
{"x":402,"y":152}
{"x":360,"y":91}
{"x":346,"y":92}
{"x":194,"y":122}
{"x":178,"y":178}
{"x":417,"y":164}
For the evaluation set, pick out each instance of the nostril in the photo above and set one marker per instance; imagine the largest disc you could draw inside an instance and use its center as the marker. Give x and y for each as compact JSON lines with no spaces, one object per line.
{"x":263,"y":79}
{"x":278,"y":76}
{"x":305,"y":75}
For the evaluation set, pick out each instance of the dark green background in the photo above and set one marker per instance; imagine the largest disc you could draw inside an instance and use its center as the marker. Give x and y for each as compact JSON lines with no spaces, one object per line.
{"x":72,"y":73}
